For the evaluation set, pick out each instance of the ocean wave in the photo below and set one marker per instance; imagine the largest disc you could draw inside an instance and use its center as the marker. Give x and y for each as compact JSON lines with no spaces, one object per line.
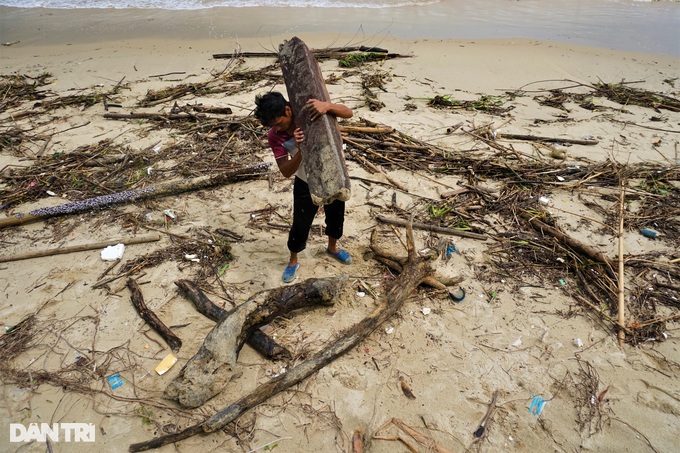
{"x":205,"y":4}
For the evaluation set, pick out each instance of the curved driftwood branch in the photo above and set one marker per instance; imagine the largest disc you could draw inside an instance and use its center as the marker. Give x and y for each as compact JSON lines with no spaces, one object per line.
{"x":150,"y":317}
{"x":259,"y":340}
{"x":208,"y":372}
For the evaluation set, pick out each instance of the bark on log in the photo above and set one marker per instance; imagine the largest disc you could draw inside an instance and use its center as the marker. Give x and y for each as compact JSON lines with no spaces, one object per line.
{"x":130,"y":196}
{"x":323,"y":160}
{"x":436,"y":229}
{"x":259,"y":340}
{"x":414,"y":272}
{"x":80,"y":248}
{"x":150,"y":317}
{"x":207,"y":373}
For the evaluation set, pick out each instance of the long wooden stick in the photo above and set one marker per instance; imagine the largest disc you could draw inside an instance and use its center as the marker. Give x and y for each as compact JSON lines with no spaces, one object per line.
{"x":577,"y":245}
{"x":80,"y":248}
{"x":436,"y":229}
{"x":536,"y":138}
{"x":622,"y":303}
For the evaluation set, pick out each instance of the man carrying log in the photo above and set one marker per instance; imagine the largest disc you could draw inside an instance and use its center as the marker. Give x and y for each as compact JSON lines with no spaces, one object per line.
{"x":284,"y":138}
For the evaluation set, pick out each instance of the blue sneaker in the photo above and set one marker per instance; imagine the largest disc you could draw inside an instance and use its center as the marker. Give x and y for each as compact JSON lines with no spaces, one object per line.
{"x":289,"y":273}
{"x":342,"y":256}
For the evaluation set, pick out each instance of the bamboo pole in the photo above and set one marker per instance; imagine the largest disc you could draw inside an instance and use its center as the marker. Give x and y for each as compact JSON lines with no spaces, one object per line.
{"x":622,"y":305}
{"x":80,"y":248}
{"x":537,"y":138}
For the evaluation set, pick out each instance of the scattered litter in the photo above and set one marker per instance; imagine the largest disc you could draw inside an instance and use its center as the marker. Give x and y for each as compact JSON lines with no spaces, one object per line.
{"x":115,"y":381}
{"x":149,"y":170}
{"x":562,"y":282}
{"x":170,"y":213}
{"x":578,"y":342}
{"x":646,"y":232}
{"x":192,"y":257}
{"x":537,"y":405}
{"x":361,"y":294}
{"x":389,"y":330}
{"x":450,"y":249}
{"x":426,"y":311}
{"x":113,"y":252}
{"x":544,"y":200}
{"x":517,"y":343}
{"x":166,"y":364}
{"x":50,"y":193}
{"x":457,"y":294}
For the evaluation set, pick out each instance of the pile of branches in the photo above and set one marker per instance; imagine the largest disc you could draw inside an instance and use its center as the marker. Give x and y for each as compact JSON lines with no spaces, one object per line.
{"x":106,"y":167}
{"x":523,"y":251}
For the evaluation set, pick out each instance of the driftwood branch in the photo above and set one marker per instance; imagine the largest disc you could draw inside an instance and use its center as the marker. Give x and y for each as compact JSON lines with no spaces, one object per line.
{"x":436,"y":229}
{"x":80,"y":248}
{"x":155,"y":116}
{"x":536,"y":138}
{"x":590,"y":252}
{"x":130,"y":196}
{"x":258,"y":340}
{"x":414,"y":272}
{"x":150,"y":317}
{"x":210,"y":369}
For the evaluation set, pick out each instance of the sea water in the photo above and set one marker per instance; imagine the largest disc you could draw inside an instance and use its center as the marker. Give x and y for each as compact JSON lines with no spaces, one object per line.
{"x":645,"y":26}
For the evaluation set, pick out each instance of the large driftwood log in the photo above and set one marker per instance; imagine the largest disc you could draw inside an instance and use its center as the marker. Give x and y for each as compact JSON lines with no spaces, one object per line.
{"x":259,"y":340}
{"x":130,"y":196}
{"x":414,"y":272}
{"x":208,"y":372}
{"x":323,"y":160}
{"x":150,"y":317}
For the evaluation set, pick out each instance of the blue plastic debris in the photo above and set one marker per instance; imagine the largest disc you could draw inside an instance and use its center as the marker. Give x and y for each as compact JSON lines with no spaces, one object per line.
{"x":646,"y":232}
{"x":115,"y":381}
{"x":450,"y":249}
{"x":537,"y":405}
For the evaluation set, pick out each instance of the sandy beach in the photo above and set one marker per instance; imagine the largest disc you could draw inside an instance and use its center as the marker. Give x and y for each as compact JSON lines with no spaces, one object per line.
{"x":512,"y":140}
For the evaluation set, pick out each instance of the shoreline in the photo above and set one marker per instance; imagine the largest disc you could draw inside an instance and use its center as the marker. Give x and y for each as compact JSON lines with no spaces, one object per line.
{"x":590,"y":24}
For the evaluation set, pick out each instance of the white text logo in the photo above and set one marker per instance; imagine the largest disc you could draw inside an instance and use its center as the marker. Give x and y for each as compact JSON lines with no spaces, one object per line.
{"x":56,"y":432}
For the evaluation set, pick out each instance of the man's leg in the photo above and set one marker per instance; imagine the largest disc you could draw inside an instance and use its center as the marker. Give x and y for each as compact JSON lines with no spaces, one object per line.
{"x":335,"y":220}
{"x":304,"y":211}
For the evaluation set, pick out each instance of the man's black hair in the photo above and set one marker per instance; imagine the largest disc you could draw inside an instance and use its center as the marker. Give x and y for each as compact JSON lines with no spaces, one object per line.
{"x":269,"y":107}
